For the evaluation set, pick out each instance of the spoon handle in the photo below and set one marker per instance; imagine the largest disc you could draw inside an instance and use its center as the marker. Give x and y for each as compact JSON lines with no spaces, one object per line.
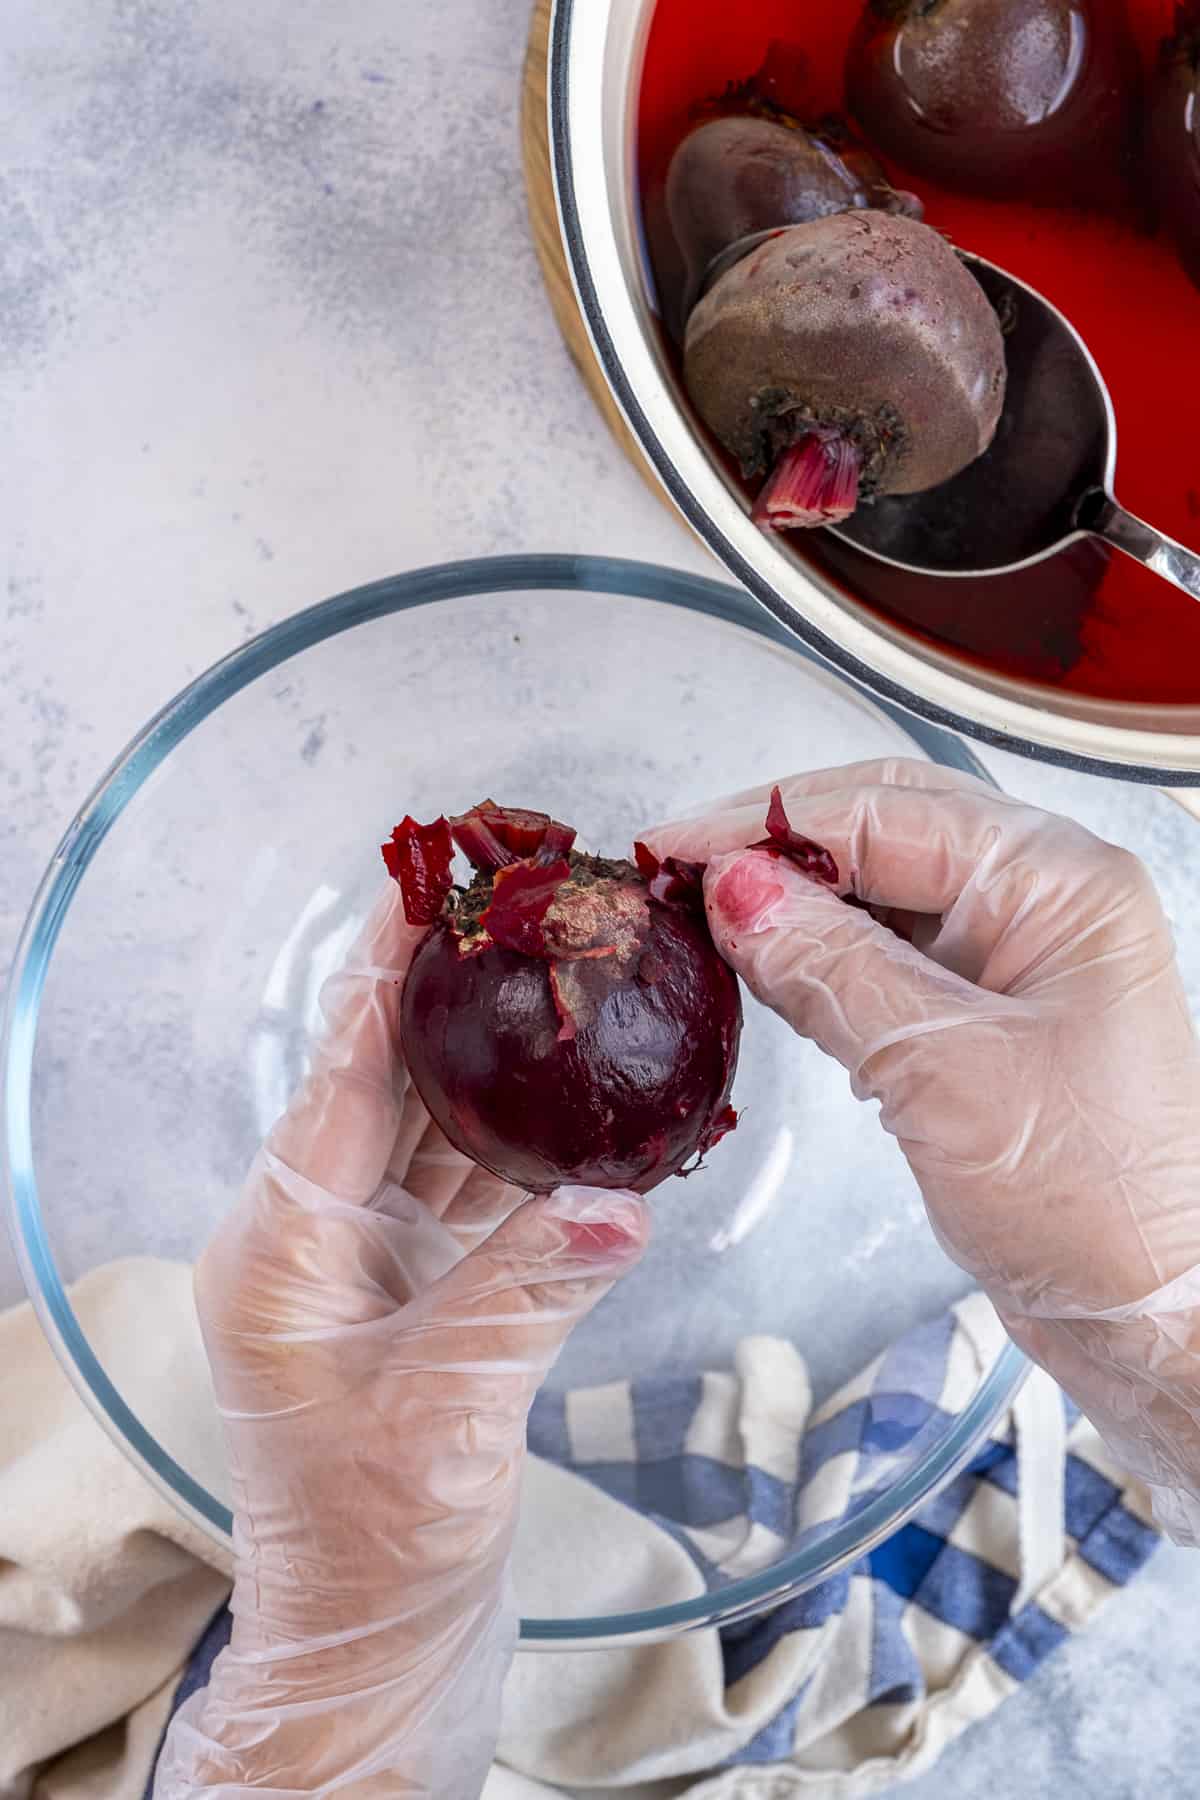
{"x":1101,"y":514}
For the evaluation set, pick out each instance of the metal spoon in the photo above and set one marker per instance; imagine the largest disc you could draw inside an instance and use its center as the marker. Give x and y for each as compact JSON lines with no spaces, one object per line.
{"x":1045,"y":483}
{"x":1047,"y":479}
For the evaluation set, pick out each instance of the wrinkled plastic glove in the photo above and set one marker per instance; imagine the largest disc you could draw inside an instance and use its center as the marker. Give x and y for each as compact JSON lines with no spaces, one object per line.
{"x":378,"y":1313}
{"x":1031,"y":1049}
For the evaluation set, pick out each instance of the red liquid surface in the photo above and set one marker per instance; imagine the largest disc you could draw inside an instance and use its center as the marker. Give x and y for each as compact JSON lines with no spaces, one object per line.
{"x":1129,"y":635}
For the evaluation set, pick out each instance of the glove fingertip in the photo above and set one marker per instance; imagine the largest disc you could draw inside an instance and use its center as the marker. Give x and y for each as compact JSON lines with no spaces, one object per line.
{"x":752,"y":891}
{"x":606,"y":1223}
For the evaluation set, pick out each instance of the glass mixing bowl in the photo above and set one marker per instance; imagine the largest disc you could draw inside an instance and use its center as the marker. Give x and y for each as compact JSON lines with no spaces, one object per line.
{"x":168,"y":975}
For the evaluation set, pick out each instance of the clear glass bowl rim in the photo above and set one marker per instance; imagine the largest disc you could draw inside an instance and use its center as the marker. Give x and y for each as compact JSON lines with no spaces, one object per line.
{"x":476,"y":577}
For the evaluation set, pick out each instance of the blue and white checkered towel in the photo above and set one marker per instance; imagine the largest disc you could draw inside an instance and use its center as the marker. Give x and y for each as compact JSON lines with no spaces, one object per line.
{"x":861,"y":1681}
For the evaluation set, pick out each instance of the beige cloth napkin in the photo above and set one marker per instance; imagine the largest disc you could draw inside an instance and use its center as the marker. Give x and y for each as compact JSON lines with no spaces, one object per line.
{"x":104,"y":1587}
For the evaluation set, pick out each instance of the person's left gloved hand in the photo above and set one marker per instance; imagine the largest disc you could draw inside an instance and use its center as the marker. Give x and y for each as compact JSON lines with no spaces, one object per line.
{"x":378,"y":1313}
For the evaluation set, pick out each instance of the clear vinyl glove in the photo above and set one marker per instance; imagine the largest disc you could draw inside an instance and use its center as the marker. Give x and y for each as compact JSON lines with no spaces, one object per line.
{"x":1032,"y":1051}
{"x":378,"y":1313}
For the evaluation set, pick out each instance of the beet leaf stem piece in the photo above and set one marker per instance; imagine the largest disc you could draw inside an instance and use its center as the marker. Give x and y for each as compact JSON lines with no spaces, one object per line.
{"x":418,"y":857}
{"x":814,"y":482}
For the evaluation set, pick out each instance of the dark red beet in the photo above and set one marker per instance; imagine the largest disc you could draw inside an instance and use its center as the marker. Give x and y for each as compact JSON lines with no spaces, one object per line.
{"x":737,"y":175}
{"x":1017,"y":98}
{"x":567,"y":1018}
{"x":852,"y":356}
{"x":1173,"y":138}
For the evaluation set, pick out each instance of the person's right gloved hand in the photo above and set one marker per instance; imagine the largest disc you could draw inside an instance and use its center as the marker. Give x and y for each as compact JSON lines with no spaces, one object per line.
{"x":1033,"y":1052}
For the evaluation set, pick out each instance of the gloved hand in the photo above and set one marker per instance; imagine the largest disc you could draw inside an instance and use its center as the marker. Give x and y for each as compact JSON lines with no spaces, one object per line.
{"x":373,"y":1382}
{"x":1032,"y":1051}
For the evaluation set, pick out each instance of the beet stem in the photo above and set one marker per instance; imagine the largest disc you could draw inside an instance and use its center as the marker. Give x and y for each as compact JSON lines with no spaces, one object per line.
{"x":814,"y":482}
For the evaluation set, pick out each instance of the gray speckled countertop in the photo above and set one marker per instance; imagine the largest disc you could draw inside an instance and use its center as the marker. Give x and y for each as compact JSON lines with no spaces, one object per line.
{"x":270,"y":326}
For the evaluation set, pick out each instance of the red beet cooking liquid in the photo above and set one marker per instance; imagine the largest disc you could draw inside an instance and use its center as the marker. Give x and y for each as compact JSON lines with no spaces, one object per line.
{"x":1115,"y":631}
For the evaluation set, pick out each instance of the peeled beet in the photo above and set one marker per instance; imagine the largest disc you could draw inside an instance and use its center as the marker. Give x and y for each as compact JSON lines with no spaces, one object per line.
{"x":1016,"y":98}
{"x":1173,"y":138}
{"x":851,"y":356}
{"x":566,"y":1018}
{"x":741,"y":174}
